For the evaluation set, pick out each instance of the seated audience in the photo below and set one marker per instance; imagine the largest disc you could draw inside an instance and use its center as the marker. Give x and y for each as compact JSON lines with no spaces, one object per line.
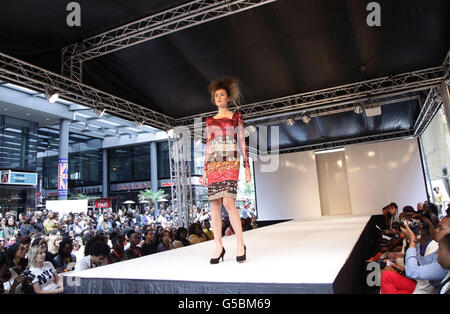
{"x":444,"y":260}
{"x":166,"y":242}
{"x":181,"y":238}
{"x":117,"y":253}
{"x":206,"y":229}
{"x":98,"y":252}
{"x":148,"y":246}
{"x":133,"y":251}
{"x":429,"y":270}
{"x":65,"y":260}
{"x":46,"y":280}
{"x":196,"y":234}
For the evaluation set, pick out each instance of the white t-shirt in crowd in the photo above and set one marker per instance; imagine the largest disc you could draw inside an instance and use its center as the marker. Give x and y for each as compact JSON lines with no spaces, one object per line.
{"x":45,"y":276}
{"x":86,"y":263}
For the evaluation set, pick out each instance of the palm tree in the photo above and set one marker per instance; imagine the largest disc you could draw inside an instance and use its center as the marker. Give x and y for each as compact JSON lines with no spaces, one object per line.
{"x":154,"y":197}
{"x":79,"y":196}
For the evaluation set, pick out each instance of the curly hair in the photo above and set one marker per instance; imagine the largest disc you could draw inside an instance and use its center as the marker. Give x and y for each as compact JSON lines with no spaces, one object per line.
{"x":231,"y":85}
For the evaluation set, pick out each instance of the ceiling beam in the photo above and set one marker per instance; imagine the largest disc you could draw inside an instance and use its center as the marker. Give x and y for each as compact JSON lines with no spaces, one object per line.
{"x":153,"y":26}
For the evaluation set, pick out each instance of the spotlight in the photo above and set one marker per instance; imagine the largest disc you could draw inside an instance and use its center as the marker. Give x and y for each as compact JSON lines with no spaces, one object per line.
{"x":290,"y":122}
{"x":52,"y":97}
{"x":170,"y":133}
{"x":99,"y":112}
{"x":306,"y":119}
{"x":139,"y":123}
{"x":249,"y":129}
{"x":358,"y":109}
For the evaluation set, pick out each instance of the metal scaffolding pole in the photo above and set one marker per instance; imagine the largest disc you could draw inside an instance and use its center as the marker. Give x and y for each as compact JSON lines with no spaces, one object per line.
{"x":180,"y":174}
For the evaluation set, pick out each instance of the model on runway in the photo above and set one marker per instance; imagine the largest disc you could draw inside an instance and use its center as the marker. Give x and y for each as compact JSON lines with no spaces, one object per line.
{"x":224,"y":137}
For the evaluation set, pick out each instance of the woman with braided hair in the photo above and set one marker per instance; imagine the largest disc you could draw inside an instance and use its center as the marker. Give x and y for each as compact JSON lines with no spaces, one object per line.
{"x":224,"y":139}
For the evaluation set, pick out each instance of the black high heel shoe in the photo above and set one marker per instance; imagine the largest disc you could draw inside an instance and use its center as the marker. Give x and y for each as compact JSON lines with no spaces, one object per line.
{"x":242,"y":258}
{"x":216,"y":260}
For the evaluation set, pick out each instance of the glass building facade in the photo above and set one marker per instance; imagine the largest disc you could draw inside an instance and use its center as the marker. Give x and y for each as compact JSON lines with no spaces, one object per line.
{"x":18,"y":151}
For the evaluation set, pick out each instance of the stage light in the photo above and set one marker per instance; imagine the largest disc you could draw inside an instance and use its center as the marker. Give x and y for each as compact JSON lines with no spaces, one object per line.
{"x":249,"y":129}
{"x":332,"y":150}
{"x":358,"y":109}
{"x":52,"y":97}
{"x":170,"y":133}
{"x":139,"y":123}
{"x":306,"y":119}
{"x":99,"y":112}
{"x":290,"y":122}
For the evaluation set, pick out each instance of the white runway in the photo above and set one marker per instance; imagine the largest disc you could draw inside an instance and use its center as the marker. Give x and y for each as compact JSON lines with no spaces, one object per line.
{"x":311,"y":251}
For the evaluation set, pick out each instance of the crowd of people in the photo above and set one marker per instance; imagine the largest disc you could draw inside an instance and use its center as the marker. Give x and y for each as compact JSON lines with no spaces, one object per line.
{"x":414,"y":250}
{"x":37,"y":247}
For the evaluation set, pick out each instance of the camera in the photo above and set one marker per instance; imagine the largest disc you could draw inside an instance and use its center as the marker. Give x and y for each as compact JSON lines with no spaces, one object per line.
{"x":413,"y":224}
{"x":29,"y":275}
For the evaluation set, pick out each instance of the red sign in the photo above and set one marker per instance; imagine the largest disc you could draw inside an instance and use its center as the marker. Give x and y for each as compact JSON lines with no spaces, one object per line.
{"x":102,"y":203}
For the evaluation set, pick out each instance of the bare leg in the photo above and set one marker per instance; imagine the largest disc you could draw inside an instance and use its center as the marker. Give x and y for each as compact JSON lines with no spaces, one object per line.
{"x":235,"y":221}
{"x":216,"y":224}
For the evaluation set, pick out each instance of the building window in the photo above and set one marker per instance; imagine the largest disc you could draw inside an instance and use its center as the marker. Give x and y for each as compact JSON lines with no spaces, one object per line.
{"x":129,"y":163}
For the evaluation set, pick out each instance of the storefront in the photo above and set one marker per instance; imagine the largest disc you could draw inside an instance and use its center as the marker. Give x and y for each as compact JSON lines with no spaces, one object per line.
{"x":17,"y":191}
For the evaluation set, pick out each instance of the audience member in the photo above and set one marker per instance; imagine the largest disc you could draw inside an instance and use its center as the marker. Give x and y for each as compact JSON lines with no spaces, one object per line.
{"x":98,"y":252}
{"x":117,"y":253}
{"x":417,"y":268}
{"x":133,"y":251}
{"x":10,"y":229}
{"x":444,"y":260}
{"x":196,"y":234}
{"x":46,"y":279}
{"x":181,"y":238}
{"x":65,"y":260}
{"x":166,"y":243}
{"x":206,"y":229}
{"x":148,"y":246}
{"x":51,"y":223}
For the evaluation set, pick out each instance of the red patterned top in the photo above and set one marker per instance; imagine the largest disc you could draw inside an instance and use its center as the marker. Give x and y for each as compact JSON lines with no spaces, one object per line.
{"x":231,"y":139}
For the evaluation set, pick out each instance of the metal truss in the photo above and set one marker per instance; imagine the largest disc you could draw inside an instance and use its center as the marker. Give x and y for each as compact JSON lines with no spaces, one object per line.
{"x":430,"y":107}
{"x":25,"y":74}
{"x":338,"y":143}
{"x":159,"y":24}
{"x":180,"y":175}
{"x":338,"y":97}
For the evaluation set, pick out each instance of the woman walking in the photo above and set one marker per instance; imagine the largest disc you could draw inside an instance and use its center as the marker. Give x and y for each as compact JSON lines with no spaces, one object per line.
{"x":224,"y":139}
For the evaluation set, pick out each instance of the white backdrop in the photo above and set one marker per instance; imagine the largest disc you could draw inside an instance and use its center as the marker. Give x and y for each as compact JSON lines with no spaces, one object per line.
{"x":65,"y":207}
{"x":378,"y":174}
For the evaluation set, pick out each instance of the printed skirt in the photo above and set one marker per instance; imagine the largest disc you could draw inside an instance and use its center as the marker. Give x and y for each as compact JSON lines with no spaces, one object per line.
{"x":223,"y":179}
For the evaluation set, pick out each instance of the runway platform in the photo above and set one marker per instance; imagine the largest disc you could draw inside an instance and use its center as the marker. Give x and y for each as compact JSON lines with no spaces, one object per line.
{"x":321,"y":255}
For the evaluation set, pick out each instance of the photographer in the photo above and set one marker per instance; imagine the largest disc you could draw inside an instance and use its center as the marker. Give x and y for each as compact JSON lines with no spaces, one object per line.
{"x":417,"y":267}
{"x":10,"y":282}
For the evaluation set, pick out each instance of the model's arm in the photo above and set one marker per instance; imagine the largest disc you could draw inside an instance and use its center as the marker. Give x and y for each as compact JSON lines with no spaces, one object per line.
{"x":208,"y":144}
{"x":241,"y":136}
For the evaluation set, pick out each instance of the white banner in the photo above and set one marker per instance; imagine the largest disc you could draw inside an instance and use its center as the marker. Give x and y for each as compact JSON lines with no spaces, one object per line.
{"x":65,"y":207}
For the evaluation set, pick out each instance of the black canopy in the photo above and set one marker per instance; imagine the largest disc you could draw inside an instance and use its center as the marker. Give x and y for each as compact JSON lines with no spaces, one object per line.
{"x":278,"y":49}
